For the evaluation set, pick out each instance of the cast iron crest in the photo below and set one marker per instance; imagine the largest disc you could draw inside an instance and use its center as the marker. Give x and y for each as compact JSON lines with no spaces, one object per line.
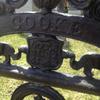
{"x":44,"y":50}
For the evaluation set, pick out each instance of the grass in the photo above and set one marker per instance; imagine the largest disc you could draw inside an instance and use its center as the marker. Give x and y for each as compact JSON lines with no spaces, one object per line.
{"x":7,"y":86}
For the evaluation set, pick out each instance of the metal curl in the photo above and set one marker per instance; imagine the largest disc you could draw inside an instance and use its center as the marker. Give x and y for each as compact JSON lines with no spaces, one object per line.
{"x":95,"y":10}
{"x":80,"y":4}
{"x":88,"y":62}
{"x":16,"y":3}
{"x":48,"y":4}
{"x":40,"y":91}
{"x":5,"y":8}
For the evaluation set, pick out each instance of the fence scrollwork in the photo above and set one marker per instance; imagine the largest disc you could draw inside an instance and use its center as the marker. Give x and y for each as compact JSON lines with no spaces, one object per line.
{"x":44,"y":51}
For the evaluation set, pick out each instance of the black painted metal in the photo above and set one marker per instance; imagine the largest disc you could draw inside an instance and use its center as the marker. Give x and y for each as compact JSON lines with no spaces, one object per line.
{"x":53,"y":78}
{"x":31,"y":88}
{"x":16,"y":3}
{"x":80,"y":4}
{"x":88,"y":61}
{"x":52,"y":24}
{"x":44,"y":51}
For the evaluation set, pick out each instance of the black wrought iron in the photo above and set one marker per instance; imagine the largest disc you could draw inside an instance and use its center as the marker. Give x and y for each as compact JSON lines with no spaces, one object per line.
{"x":39,"y":90}
{"x":80,"y":4}
{"x":93,"y":10}
{"x":88,"y":61}
{"x":16,"y":3}
{"x":9,"y":52}
{"x":44,"y":50}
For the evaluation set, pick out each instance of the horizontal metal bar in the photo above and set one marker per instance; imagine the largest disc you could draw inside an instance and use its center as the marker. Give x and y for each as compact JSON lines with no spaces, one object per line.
{"x":76,"y":83}
{"x":75,"y":27}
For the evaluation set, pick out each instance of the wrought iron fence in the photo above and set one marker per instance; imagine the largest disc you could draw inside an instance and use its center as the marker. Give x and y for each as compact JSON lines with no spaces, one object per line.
{"x":44,"y":51}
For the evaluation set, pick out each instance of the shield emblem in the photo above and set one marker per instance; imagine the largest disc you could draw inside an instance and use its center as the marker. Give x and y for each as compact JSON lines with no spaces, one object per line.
{"x":44,"y":53}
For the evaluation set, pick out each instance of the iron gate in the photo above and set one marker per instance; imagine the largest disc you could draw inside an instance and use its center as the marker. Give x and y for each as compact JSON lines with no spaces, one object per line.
{"x":44,"y":50}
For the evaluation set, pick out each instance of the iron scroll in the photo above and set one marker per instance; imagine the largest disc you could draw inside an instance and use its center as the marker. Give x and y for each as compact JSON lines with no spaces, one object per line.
{"x":44,"y":51}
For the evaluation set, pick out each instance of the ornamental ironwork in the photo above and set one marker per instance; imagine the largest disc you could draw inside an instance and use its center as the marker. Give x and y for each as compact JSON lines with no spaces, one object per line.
{"x":44,"y":51}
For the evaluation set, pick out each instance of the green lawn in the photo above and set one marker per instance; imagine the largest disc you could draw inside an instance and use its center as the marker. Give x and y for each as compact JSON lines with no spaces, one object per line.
{"x":7,"y":86}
